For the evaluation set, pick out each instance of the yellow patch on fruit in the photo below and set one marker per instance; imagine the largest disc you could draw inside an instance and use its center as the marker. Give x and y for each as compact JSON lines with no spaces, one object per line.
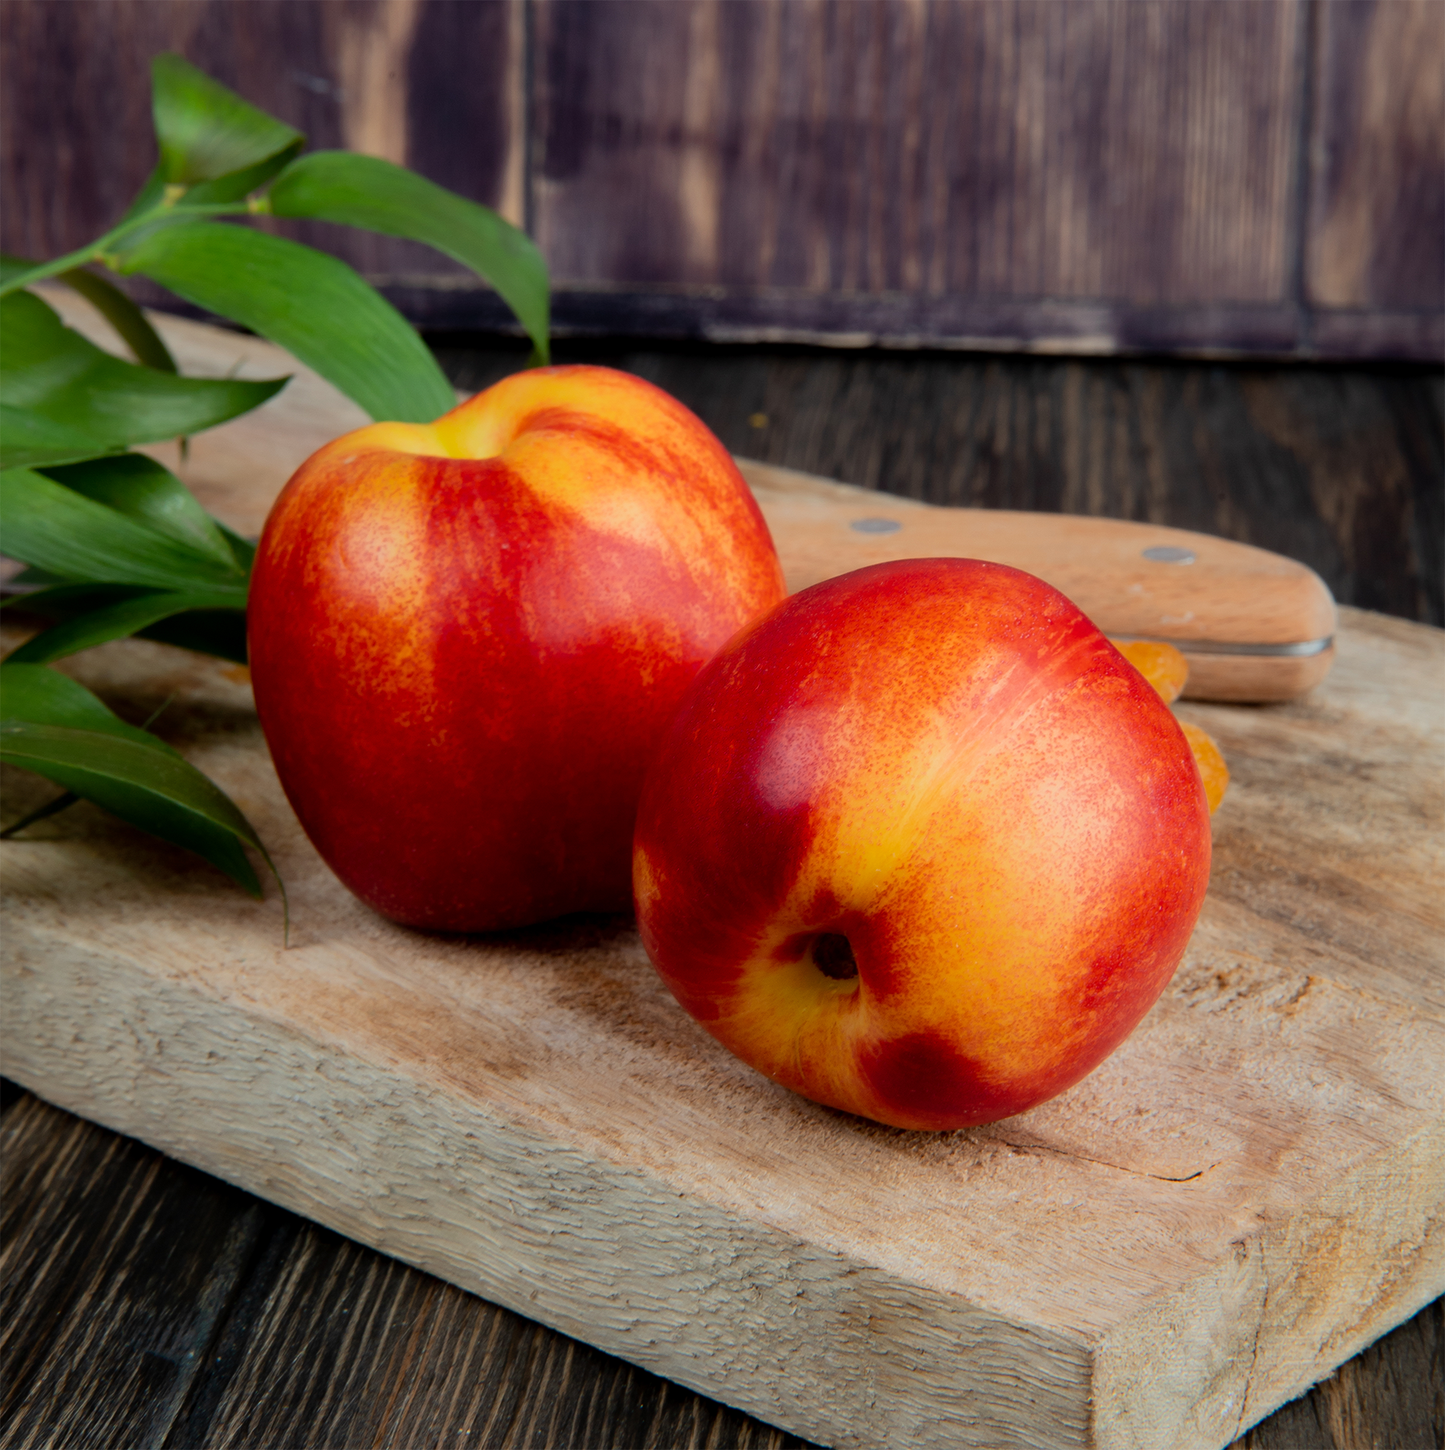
{"x":616,"y":455}
{"x":910,"y":813}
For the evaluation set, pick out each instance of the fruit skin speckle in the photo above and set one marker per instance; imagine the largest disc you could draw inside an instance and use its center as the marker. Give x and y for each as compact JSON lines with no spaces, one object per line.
{"x":944,"y":762}
{"x":467,"y":637}
{"x":1164,"y":667}
{"x":1213,"y":772}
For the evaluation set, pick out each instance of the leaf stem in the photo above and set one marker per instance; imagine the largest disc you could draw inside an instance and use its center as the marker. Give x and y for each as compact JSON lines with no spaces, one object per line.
{"x":50,"y":808}
{"x":67,"y":263}
{"x":157,"y":712}
{"x":97,"y":251}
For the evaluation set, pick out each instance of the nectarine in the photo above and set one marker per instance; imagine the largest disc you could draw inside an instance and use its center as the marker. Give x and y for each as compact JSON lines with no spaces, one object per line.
{"x":921,"y":844}
{"x":466,"y":638}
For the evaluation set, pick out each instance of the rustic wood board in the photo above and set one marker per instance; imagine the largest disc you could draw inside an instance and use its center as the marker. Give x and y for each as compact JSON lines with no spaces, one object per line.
{"x":1243,"y":1196}
{"x":1079,"y":175}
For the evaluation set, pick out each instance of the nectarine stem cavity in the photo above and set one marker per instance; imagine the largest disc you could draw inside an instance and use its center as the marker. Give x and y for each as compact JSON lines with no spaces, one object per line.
{"x":833,"y":956}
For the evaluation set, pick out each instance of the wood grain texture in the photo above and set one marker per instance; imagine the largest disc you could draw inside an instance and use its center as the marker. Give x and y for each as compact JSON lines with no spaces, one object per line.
{"x":1392,"y":1396}
{"x":955,"y":323}
{"x":1248,"y":176}
{"x":1273,"y":1136}
{"x":432,"y":1362}
{"x":76,"y":140}
{"x":116,"y":1270}
{"x":390,"y":1337}
{"x":1103,"y":150}
{"x":1377,"y":184}
{"x":148,"y":1305}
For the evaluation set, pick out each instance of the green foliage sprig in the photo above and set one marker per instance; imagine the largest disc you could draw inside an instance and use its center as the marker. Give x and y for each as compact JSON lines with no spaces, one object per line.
{"x":116,"y":541}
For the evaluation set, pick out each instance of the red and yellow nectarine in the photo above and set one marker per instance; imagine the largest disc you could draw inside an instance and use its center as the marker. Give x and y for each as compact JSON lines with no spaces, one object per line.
{"x":921,"y":844}
{"x":467,"y":637}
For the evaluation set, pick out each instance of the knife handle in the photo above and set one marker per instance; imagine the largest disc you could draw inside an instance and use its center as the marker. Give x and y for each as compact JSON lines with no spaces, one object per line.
{"x":1253,"y":625}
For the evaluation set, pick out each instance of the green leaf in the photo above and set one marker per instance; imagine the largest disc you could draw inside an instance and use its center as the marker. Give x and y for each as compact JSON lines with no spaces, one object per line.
{"x":117,"y":621}
{"x":12,"y":267}
{"x":160,"y":793}
{"x":128,"y":320}
{"x":220,"y":632}
{"x":57,"y":728}
{"x":76,"y":391}
{"x":29,"y":440}
{"x":207,"y":132}
{"x":150,"y":195}
{"x":54,"y":528}
{"x":242,"y":550}
{"x":309,"y":303}
{"x":46,"y":697}
{"x":150,"y":493}
{"x":238,"y":183}
{"x":365,"y":191}
{"x":67,"y":601}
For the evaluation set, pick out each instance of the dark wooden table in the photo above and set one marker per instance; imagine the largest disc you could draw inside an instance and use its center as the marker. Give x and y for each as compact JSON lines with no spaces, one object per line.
{"x":145,"y":1304}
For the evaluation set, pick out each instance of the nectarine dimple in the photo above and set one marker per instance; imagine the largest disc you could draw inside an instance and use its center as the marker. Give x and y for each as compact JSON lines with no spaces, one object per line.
{"x":921,"y":844}
{"x":467,"y":637}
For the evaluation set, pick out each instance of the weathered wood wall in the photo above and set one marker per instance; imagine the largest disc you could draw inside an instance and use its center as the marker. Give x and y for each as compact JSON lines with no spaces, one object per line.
{"x":1260,"y":176}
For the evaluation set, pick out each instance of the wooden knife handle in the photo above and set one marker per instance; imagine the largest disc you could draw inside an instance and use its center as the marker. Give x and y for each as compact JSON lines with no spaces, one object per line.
{"x":1254,"y":626}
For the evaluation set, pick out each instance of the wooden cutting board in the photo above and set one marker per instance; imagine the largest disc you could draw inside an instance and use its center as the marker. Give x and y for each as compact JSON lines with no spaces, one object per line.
{"x":1241,"y":1198}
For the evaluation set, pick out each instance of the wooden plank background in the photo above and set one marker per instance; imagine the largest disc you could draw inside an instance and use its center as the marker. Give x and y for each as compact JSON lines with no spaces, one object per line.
{"x":1248,"y":176}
